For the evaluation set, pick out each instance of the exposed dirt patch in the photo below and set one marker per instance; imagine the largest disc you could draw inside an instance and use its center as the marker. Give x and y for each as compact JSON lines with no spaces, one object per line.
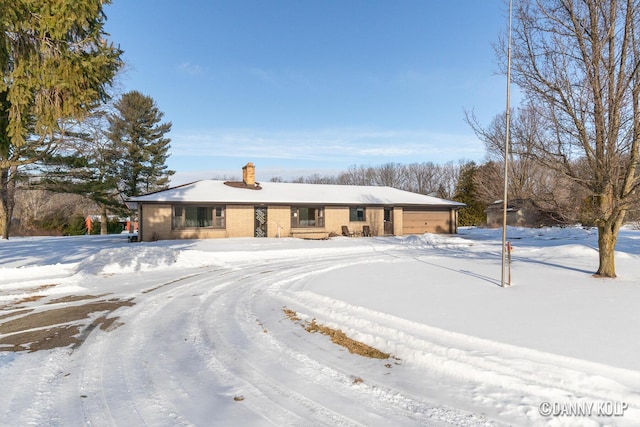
{"x":15,"y":313}
{"x":59,"y":315}
{"x":53,"y":328}
{"x":338,"y":337}
{"x":17,"y":303}
{"x":292,"y":315}
{"x":47,"y":286}
{"x":36,"y":289}
{"x":73,"y":298}
{"x":41,"y":339}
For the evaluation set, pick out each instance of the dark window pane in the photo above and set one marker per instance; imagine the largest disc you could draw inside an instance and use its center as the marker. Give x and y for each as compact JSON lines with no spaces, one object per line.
{"x":356,"y":214}
{"x":198,"y":216}
{"x":307,"y":217}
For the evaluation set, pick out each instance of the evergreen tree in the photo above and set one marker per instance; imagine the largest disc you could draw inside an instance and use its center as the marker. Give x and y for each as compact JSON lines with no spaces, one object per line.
{"x":87,"y":164}
{"x":56,"y":64}
{"x":135,"y":127}
{"x":473,"y":213}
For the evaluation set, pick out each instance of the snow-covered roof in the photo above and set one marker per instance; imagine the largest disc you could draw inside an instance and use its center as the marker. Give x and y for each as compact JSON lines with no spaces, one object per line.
{"x":211,"y":191}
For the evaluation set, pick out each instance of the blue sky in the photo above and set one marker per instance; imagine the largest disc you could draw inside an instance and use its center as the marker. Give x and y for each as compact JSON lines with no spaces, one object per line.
{"x":310,"y":86}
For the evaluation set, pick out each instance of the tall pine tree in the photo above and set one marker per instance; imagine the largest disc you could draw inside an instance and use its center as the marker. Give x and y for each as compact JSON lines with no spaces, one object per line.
{"x":473,"y":213}
{"x":135,"y":127}
{"x":56,"y":64}
{"x":87,"y":163}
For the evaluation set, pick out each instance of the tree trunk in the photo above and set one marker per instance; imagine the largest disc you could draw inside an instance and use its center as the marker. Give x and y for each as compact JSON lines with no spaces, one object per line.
{"x":104,"y":220}
{"x":5,"y":204}
{"x":607,"y":239}
{"x":11,"y":195}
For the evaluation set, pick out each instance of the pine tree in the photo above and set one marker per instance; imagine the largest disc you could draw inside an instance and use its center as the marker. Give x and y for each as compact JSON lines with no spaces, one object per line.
{"x":473,"y":213}
{"x":87,"y":164}
{"x":56,"y":64}
{"x":136,"y":128}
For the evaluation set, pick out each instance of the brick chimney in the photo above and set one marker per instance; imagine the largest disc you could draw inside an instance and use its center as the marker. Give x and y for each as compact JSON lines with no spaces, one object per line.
{"x":249,"y":174}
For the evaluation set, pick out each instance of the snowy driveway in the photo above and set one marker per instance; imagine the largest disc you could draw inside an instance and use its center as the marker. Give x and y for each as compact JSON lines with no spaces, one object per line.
{"x":207,"y":340}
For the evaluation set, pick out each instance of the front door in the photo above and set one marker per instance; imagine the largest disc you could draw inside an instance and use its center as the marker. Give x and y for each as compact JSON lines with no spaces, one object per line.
{"x":260,"y":221}
{"x":388,"y":221}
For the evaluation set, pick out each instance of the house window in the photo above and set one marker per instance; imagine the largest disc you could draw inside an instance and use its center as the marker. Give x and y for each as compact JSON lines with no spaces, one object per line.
{"x":198,"y":217}
{"x":218,"y":217}
{"x":357,"y":213}
{"x":307,"y":217}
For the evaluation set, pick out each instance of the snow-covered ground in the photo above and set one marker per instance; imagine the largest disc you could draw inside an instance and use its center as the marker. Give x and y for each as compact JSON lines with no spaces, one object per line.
{"x":202,"y":332}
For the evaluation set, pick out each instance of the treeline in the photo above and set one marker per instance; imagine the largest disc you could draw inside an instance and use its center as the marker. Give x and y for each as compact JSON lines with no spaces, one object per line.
{"x":478,"y":185}
{"x":560,"y":200}
{"x":59,"y":211}
{"x":46,"y":213}
{"x":451,"y":181}
{"x":423,"y":178}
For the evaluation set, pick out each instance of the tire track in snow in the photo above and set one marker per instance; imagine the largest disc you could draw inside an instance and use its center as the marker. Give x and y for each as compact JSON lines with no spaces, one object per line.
{"x":131,"y":386}
{"x":233,"y":342}
{"x":376,"y":403}
{"x":501,"y":372}
{"x":127,"y":374}
{"x":202,"y":335}
{"x":116,"y":376}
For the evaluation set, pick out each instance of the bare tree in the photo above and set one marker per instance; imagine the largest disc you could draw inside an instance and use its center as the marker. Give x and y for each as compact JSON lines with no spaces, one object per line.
{"x":390,"y":175}
{"x":489,"y":182}
{"x":448,"y":179}
{"x":529,"y":179}
{"x":357,"y":175}
{"x":577,"y":62}
{"x":316,"y":178}
{"x":422,"y":178}
{"x":33,"y":206}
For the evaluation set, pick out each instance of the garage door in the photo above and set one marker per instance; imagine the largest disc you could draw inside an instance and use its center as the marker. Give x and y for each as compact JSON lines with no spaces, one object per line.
{"x":420,"y":222}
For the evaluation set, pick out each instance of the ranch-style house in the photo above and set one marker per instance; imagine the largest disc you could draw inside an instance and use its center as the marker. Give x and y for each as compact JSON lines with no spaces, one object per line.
{"x":217,"y":209}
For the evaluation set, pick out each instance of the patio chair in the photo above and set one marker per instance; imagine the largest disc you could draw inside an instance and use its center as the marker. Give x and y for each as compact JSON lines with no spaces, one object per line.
{"x":366,"y":231}
{"x":346,"y":232}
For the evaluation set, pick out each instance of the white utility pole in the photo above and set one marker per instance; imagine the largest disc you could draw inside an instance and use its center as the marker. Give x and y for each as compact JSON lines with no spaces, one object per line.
{"x":506,"y":156}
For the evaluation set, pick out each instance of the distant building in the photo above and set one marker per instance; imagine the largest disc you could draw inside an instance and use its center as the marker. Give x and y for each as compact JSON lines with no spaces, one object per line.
{"x":520,"y":213}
